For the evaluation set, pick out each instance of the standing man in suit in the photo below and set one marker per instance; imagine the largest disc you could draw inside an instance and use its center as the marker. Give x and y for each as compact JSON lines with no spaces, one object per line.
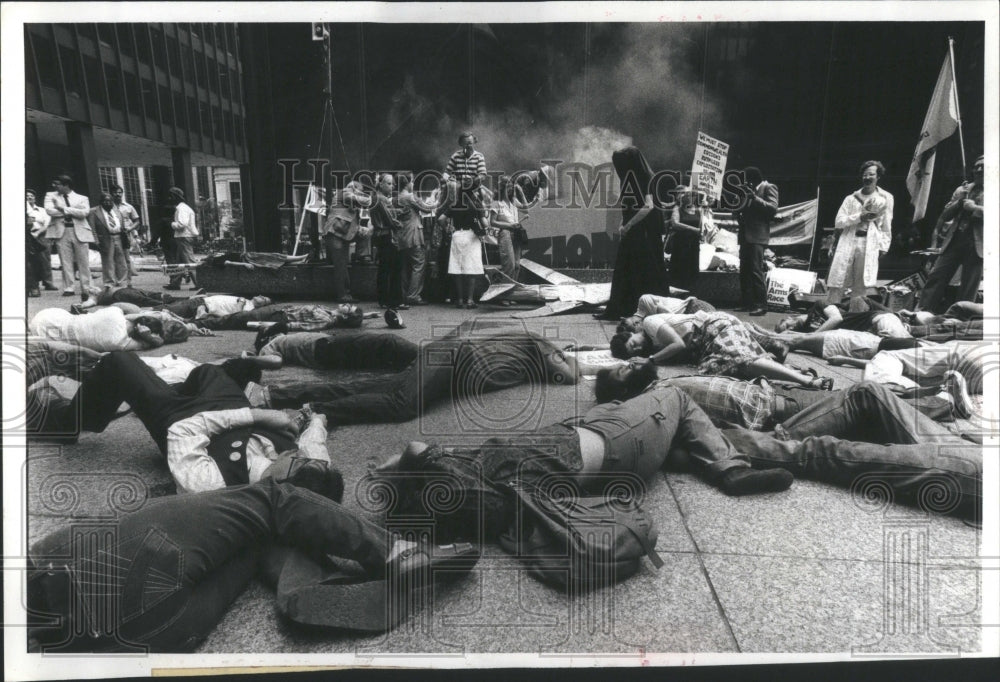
{"x":71,"y":232}
{"x":963,"y":245}
{"x":755,"y":231}
{"x":108,"y":225}
{"x":185,"y":231}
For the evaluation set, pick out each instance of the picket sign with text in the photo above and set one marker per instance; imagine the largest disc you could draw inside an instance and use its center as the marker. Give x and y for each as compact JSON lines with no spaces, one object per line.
{"x":710,"y":156}
{"x":780,"y":282}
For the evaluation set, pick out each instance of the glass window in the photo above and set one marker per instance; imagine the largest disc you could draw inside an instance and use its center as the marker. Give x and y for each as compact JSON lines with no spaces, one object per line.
{"x":114,"y":80}
{"x":195,"y":30}
{"x":166,"y":106}
{"x":125,"y":39}
{"x":199,"y":63}
{"x":213,"y":81}
{"x":149,"y":98}
{"x":130,"y":176}
{"x":180,"y":110}
{"x":206,"y":118}
{"x":71,"y":71}
{"x":173,"y":51}
{"x":231,"y":34}
{"x":132,"y":94}
{"x":235,"y":80}
{"x":30,"y":74}
{"x":229,"y":126}
{"x":238,"y":129}
{"x":159,"y":49}
{"x":224,"y":81}
{"x":88,"y":31}
{"x":201,"y":177}
{"x":194,"y":125}
{"x":220,"y":37}
{"x":108,"y":178}
{"x":48,"y":65}
{"x":106,"y":33}
{"x":235,"y":193}
{"x":95,"y":86}
{"x":142,"y":43}
{"x":209,"y":35}
{"x":189,"y":74}
{"x":217,"y":123}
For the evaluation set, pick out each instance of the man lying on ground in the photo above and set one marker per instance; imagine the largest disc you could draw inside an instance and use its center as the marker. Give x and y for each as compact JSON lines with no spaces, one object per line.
{"x":859,"y":314}
{"x":319,"y":350}
{"x":756,"y":405}
{"x":651,"y":304}
{"x":836,"y":343}
{"x":297,"y":317}
{"x":198,"y":553}
{"x":625,"y":441}
{"x":138,"y":297}
{"x":963,"y":320}
{"x":205,"y":427}
{"x":470,"y":360}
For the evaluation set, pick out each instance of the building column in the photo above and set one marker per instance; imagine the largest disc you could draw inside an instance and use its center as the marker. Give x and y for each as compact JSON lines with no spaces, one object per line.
{"x":83,"y":160}
{"x":159,"y":178}
{"x":35,"y":173}
{"x":180,"y":157}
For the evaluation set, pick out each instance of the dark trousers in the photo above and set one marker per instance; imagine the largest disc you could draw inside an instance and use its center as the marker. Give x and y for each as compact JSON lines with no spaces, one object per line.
{"x":268,"y":313}
{"x":184,"y":253}
{"x":141,"y":298}
{"x":752,"y":282}
{"x":389,"y":282}
{"x":905,"y":457}
{"x":121,"y":376}
{"x":162,"y":577}
{"x":47,"y":357}
{"x":38,"y":268}
{"x":362,"y":351}
{"x":338,"y":255}
{"x":961,"y":251}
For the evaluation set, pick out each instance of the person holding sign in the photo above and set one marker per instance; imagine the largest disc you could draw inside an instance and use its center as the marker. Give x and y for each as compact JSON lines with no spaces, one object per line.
{"x":639,"y":264}
{"x":755,"y":232}
{"x":865,"y":224}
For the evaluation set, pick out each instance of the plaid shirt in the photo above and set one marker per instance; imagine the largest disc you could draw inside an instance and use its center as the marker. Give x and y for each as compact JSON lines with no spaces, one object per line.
{"x":726,"y":400}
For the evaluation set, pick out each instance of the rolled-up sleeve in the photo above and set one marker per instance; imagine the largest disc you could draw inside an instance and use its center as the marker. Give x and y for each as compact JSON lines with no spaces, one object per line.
{"x":192,"y":467}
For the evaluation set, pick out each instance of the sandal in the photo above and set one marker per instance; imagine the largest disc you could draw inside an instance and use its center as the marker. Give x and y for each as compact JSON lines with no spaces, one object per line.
{"x":825,"y":383}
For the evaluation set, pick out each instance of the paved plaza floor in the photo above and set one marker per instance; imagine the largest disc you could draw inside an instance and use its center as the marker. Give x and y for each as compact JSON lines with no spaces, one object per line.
{"x":813,"y":569}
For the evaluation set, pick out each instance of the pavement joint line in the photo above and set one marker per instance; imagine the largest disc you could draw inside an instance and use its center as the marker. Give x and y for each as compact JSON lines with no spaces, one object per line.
{"x":704,"y":570}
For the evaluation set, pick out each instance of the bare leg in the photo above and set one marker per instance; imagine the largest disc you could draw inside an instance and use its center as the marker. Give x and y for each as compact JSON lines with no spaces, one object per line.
{"x":835,"y":296}
{"x":847,"y":361}
{"x":770,"y":369}
{"x":810,"y":343}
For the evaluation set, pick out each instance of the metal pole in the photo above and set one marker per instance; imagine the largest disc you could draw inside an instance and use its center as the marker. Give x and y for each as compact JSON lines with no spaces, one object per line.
{"x":812,"y":246}
{"x":958,"y":112}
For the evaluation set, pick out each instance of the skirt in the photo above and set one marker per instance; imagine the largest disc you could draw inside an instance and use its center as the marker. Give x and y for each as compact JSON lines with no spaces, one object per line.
{"x":723,"y":346}
{"x":466,"y":256}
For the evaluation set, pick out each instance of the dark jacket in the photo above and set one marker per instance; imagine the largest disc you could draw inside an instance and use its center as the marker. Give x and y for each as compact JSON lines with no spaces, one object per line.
{"x":755,"y":219}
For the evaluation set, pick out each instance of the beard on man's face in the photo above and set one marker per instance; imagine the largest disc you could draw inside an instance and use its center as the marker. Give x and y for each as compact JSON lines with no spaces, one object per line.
{"x":640,"y":377}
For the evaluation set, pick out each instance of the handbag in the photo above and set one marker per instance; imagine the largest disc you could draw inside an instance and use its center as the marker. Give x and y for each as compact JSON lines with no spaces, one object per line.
{"x":584,"y":542}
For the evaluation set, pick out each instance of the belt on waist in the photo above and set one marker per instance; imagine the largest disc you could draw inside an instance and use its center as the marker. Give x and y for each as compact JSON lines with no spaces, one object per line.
{"x":782,"y":409}
{"x":459,"y":229}
{"x":861,"y":233}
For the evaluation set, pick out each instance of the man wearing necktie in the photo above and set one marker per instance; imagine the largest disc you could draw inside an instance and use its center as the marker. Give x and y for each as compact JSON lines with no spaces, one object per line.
{"x":71,"y":231}
{"x":107,"y":224}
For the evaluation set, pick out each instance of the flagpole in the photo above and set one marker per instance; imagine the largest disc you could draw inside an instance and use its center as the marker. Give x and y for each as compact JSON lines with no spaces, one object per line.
{"x":812,"y":243}
{"x":302,"y":221}
{"x":958,"y":112}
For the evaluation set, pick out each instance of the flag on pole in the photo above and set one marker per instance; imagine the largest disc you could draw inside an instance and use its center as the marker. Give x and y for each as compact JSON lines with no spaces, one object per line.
{"x":315,"y":200}
{"x":941,"y":121}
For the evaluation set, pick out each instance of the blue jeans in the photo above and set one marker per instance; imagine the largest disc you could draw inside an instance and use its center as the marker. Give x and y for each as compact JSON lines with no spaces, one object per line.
{"x":162,"y":577}
{"x":906,"y":456}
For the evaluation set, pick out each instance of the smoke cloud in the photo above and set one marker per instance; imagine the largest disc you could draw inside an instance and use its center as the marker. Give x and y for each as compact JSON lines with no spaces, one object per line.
{"x":642,"y":85}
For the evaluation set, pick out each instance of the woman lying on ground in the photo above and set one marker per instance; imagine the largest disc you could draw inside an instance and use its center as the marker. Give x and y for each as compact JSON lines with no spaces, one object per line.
{"x":861,"y":314}
{"x":717,"y":342}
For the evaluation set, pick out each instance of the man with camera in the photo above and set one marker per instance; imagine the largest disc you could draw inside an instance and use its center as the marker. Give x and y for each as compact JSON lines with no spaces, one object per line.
{"x":755,"y":231}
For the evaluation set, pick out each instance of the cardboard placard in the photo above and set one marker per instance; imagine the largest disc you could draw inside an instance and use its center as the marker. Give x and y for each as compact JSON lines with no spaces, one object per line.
{"x":780,"y":282}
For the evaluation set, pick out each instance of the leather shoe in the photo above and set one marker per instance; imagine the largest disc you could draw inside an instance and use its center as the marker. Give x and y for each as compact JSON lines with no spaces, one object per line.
{"x":69,"y":293}
{"x":739,"y":482}
{"x":757,"y":312}
{"x":743,"y":309}
{"x":312,"y":474}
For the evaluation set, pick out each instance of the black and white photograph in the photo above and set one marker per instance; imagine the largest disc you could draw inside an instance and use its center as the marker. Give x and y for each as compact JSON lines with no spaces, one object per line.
{"x":535,"y":335}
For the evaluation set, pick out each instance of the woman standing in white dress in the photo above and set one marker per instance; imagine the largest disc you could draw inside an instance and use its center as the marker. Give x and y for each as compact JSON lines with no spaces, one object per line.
{"x":466,"y":257}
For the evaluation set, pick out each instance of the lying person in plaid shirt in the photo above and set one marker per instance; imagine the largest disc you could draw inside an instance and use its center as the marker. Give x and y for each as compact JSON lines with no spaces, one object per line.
{"x":834,"y":436}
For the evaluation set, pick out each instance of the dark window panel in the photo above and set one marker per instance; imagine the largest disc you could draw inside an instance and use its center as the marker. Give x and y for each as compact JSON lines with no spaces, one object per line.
{"x":113,"y":78}
{"x":149,"y":98}
{"x":130,"y":175}
{"x":213,"y":81}
{"x":206,"y":118}
{"x":224,"y":81}
{"x":189,"y":74}
{"x":142,"y":43}
{"x":108,"y":178}
{"x":30,"y":73}
{"x":202,"y":173}
{"x":133,"y":95}
{"x":217,"y":123}
{"x":199,"y":62}
{"x":229,"y":127}
{"x":193,"y":123}
{"x":106,"y":33}
{"x":159,"y":48}
{"x":166,"y":107}
{"x":209,"y":35}
{"x":195,"y":30}
{"x":173,"y":51}
{"x":235,"y":193}
{"x":235,"y":80}
{"x":220,"y":36}
{"x":238,"y":129}
{"x":48,"y":64}
{"x":95,"y":86}
{"x":88,"y":31}
{"x":71,"y":71}
{"x":180,"y":110}
{"x":125,"y":39}
{"x":231,"y":35}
